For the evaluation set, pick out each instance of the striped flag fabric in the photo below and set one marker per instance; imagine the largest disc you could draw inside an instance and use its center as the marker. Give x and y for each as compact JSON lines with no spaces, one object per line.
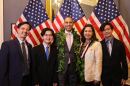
{"x":72,"y":9}
{"x":36,"y":15}
{"x":106,"y":10}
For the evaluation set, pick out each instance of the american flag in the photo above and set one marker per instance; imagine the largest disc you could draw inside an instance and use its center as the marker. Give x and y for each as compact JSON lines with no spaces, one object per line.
{"x":70,"y":8}
{"x":36,"y":15}
{"x":106,"y":10}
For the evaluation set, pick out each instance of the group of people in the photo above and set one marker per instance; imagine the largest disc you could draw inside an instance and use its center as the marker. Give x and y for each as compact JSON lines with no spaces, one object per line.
{"x":54,"y":62}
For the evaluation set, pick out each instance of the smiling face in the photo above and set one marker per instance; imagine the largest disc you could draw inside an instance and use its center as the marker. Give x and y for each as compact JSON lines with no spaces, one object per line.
{"x":48,"y":37}
{"x":23,"y":31}
{"x":88,"y":33}
{"x":107,"y":32}
{"x":68,"y":24}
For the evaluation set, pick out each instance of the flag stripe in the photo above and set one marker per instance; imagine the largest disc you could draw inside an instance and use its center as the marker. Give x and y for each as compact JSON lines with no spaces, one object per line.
{"x":96,"y":26}
{"x":77,"y":27}
{"x":59,"y":22}
{"x":125,"y":25}
{"x":32,"y":39}
{"x":124,"y":28}
{"x":97,"y":34}
{"x":40,"y":26}
{"x":55,"y":28}
{"x":83,"y":21}
{"x":38,"y":37}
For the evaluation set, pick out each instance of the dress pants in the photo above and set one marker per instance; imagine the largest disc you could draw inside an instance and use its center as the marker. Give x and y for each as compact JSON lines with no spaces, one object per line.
{"x":109,"y":81}
{"x":26,"y":81}
{"x":70,"y":76}
{"x":92,"y":84}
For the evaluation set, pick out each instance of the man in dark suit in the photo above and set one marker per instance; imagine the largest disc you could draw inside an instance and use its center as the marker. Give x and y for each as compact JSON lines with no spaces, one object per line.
{"x":115,"y":68}
{"x":68,"y":45}
{"x":44,"y":63}
{"x":15,"y":59}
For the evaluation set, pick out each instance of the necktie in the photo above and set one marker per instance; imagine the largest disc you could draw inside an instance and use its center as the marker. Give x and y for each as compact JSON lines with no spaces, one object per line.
{"x":69,"y":40}
{"x":109,"y":47}
{"x":69,"y":44}
{"x":47,"y":52}
{"x":26,"y":65}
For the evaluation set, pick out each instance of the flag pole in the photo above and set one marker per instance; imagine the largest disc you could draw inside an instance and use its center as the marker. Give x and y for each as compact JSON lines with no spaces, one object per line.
{"x":49,"y":8}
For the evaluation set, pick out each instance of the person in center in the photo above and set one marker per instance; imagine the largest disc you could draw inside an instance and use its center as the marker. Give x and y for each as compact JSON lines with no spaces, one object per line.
{"x":68,"y":44}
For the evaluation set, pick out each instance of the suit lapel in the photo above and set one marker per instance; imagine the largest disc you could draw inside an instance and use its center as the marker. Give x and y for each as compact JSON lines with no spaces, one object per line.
{"x":113,"y":46}
{"x":19,"y":49}
{"x":43,"y":52}
{"x":105,"y":48}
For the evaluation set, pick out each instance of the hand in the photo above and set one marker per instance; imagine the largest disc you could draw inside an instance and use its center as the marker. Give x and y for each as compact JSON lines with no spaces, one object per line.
{"x":96,"y":82}
{"x":37,"y":85}
{"x":55,"y":84}
{"x":123,"y":82}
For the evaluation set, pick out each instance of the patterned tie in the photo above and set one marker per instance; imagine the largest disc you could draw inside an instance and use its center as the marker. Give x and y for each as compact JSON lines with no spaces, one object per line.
{"x":26,"y":65}
{"x":47,"y":52}
{"x":109,"y":45}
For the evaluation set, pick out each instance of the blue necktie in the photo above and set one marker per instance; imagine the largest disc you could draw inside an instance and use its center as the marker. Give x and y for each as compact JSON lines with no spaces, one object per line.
{"x":47,"y":52}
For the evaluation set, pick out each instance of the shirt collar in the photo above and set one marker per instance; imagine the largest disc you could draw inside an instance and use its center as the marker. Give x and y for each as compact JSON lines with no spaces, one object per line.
{"x":68,"y":32}
{"x":110,"y":39}
{"x":20,"y":41}
{"x":45,"y":45}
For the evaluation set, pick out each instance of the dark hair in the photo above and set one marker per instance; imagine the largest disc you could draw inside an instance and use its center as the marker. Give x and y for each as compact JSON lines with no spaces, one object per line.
{"x":94,"y":38}
{"x":104,"y":24}
{"x":22,"y":23}
{"x":48,"y":29}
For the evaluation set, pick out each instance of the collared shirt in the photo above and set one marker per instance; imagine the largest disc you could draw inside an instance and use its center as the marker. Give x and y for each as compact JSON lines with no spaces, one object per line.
{"x":111,"y":40}
{"x":20,"y":41}
{"x":66,"y":32}
{"x":45,"y":45}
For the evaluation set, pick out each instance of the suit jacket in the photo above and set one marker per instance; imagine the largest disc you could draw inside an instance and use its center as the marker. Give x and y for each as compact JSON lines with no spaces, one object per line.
{"x":93,"y":62}
{"x":11,"y":63}
{"x":72,"y":54}
{"x":114,"y":66}
{"x":44,"y":71}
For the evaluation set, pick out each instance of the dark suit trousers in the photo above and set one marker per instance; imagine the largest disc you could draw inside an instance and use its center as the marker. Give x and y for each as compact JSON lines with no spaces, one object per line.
{"x":70,"y":76}
{"x":26,"y":81}
{"x":109,"y":81}
{"x":46,"y":84}
{"x":92,"y":84}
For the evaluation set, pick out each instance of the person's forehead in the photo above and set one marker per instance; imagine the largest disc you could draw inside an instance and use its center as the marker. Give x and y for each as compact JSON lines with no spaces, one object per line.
{"x":48,"y":32}
{"x":68,"y":19}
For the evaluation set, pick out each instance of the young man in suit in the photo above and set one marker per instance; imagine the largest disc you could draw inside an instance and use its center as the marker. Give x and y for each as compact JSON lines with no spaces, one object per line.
{"x":68,"y":44}
{"x":15,"y":59}
{"x":44,"y":63}
{"x":115,"y":68}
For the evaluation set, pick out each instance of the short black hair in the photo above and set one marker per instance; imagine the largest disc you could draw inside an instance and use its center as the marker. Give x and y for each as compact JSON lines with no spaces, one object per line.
{"x":104,"y":24}
{"x":49,"y":29}
{"x":22,"y":23}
